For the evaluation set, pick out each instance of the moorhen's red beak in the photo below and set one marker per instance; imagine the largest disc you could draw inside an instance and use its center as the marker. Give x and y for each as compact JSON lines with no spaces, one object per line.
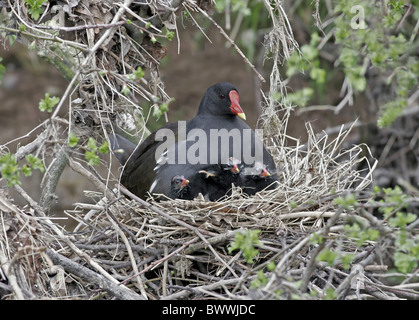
{"x":185,"y":182}
{"x":265,"y":173}
{"x":235,"y":106}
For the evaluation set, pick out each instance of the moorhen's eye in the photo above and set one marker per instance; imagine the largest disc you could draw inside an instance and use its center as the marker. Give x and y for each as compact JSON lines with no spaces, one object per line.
{"x":221,"y":96}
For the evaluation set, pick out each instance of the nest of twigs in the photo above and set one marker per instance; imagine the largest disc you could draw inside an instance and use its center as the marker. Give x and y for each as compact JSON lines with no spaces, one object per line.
{"x":127,"y":248}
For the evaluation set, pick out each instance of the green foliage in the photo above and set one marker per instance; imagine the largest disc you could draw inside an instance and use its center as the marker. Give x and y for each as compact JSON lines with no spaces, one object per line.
{"x":260,"y":281}
{"x":159,"y":110}
{"x":22,"y":27}
{"x":136,"y":75}
{"x":10,"y":170}
{"x":245,"y":241}
{"x":92,"y":153}
{"x":328,"y":256}
{"x":126,"y":91}
{"x":390,"y":112}
{"x":361,"y":234}
{"x":316,"y":238}
{"x":308,"y":61}
{"x":104,"y":148}
{"x":2,"y":69}
{"x":393,"y":199}
{"x":393,"y":205}
{"x":347,"y":260}
{"x":330,"y":294}
{"x":48,"y":103}
{"x":170,"y":35}
{"x":348,"y":202}
{"x":32,"y":163}
{"x":298,"y":98}
{"x":35,"y":8}
{"x":367,"y":39}
{"x":73,"y":140}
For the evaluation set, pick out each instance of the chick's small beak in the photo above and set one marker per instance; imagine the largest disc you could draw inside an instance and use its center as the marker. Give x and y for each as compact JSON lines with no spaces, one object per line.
{"x":235,"y":169}
{"x":185,"y":182}
{"x":265,"y":173}
{"x":235,"y":105}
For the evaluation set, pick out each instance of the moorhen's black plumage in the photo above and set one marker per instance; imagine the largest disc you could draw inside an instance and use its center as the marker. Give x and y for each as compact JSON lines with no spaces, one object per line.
{"x":217,"y":180}
{"x":121,"y":147}
{"x":151,"y":166}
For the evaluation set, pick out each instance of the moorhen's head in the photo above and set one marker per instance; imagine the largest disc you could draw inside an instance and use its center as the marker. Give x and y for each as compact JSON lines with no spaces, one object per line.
{"x":258,"y":171}
{"x":232,"y":165}
{"x":221,"y":99}
{"x":179,"y":186}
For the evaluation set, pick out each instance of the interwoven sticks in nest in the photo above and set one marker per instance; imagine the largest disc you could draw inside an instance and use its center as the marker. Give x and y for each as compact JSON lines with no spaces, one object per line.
{"x":134,"y":249}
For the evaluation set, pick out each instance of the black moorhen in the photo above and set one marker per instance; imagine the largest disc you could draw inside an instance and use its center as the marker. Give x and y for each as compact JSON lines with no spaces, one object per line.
{"x":204,"y":140}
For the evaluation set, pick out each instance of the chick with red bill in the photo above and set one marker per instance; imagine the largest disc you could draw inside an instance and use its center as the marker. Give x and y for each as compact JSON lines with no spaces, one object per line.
{"x":179,"y":187}
{"x":258,"y":178}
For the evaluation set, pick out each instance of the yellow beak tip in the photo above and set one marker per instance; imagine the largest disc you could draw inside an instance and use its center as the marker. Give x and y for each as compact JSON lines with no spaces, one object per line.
{"x":242,"y":116}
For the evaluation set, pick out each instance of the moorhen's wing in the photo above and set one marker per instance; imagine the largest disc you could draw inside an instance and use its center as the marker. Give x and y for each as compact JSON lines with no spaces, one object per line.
{"x":138,"y":173}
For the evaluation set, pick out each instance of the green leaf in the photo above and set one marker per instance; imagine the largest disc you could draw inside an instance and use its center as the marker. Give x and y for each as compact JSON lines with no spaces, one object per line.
{"x":348,"y":202}
{"x":9,"y":169}
{"x":260,"y":281}
{"x":139,"y":73}
{"x":157,"y":112}
{"x":91,"y":144}
{"x":73,"y":140}
{"x":401,"y":220}
{"x":170,"y":35}
{"x":91,"y":154}
{"x":27,"y":171}
{"x":347,"y":260}
{"x":48,"y":103}
{"x":35,"y":8}
{"x":405,"y":263}
{"x":328,"y":256}
{"x":330,"y":294}
{"x":125,"y":90}
{"x":271,"y":266}
{"x":245,"y":242}
{"x":35,"y":163}
{"x":2,"y":69}
{"x":316,"y":238}
{"x":317,"y":74}
{"x":104,"y":148}
{"x":309,"y":52}
{"x":92,"y":158}
{"x":391,"y":111}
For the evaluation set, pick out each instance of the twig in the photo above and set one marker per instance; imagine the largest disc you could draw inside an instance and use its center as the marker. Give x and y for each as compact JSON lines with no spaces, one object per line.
{"x":7,"y":268}
{"x":88,"y":275}
{"x":53,"y":176}
{"x":157,"y":262}
{"x":312,"y":262}
{"x":61,"y":235}
{"x":180,"y":222}
{"x":130,"y":255}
